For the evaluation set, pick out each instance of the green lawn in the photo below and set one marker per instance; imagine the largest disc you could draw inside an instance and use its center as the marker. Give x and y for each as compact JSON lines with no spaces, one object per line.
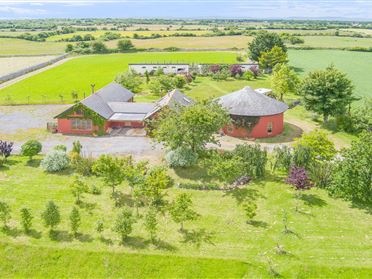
{"x":356,"y":64}
{"x":330,"y":239}
{"x":9,"y":46}
{"x":79,"y":73}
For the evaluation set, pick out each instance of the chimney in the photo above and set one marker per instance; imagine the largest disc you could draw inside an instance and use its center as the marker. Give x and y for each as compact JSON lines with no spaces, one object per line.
{"x":92,"y":86}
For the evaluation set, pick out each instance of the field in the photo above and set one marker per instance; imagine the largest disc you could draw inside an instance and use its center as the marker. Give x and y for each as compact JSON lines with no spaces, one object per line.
{"x":353,"y":63}
{"x":11,"y":64}
{"x":78,"y":74}
{"x":9,"y":47}
{"x":240,"y":42}
{"x":335,"y":42}
{"x":330,"y":238}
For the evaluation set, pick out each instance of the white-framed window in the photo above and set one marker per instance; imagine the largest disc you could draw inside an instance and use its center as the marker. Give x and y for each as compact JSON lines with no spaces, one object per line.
{"x":81,"y":124}
{"x":269,"y":127}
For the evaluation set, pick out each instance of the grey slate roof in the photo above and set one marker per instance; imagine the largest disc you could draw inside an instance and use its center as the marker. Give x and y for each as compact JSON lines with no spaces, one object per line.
{"x":247,"y":102}
{"x":112,"y":92}
{"x":128,"y":116}
{"x":125,"y":107}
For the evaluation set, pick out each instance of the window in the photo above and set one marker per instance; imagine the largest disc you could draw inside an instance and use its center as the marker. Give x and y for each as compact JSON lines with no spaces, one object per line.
{"x":269,"y":127}
{"x":81,"y":124}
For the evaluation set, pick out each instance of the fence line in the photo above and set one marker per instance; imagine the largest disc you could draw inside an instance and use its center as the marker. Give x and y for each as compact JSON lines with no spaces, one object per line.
{"x":31,"y":68}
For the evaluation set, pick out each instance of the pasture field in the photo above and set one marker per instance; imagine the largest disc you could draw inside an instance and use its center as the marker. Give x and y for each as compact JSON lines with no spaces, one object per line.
{"x":10,"y":46}
{"x":11,"y":64}
{"x":335,"y":42}
{"x":78,"y":74}
{"x":355,"y":64}
{"x":330,"y":238}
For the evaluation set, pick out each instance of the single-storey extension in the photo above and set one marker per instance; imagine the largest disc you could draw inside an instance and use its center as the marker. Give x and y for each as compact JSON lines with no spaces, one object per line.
{"x":113,"y":107}
{"x":253,"y":114}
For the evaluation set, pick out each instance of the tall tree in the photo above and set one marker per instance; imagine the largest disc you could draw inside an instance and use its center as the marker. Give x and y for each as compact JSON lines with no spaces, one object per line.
{"x":328,"y":92}
{"x":191,"y":127}
{"x":264,"y":41}
{"x":284,"y":81}
{"x":125,"y":45}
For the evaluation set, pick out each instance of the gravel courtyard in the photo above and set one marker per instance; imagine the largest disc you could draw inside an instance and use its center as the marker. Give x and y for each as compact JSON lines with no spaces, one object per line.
{"x":20,"y":123}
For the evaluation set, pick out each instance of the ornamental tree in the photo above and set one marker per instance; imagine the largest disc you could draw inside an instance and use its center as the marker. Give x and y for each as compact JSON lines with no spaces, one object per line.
{"x":236,"y":70}
{"x":284,"y":81}
{"x":110,"y":169}
{"x":264,"y":41}
{"x":191,"y":127}
{"x":31,"y":148}
{"x":130,"y":81}
{"x":26,"y":221}
{"x":6,"y":148}
{"x":269,"y":59}
{"x":299,"y":179}
{"x":124,"y":223}
{"x":181,"y":210}
{"x":328,"y":92}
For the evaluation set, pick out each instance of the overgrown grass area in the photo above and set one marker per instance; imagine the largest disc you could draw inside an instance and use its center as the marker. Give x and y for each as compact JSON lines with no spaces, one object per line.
{"x":335,"y":42}
{"x":329,"y":238}
{"x":57,"y":84}
{"x":355,"y":64}
{"x":10,"y":46}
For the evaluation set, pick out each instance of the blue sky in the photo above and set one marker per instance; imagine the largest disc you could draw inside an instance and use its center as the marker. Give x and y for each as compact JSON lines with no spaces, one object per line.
{"x":347,"y":9}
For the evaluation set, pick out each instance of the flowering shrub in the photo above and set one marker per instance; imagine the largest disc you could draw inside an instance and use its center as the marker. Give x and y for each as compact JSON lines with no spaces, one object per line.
{"x":299,"y":179}
{"x":5,"y":148}
{"x":215,"y":68}
{"x":236,"y":70}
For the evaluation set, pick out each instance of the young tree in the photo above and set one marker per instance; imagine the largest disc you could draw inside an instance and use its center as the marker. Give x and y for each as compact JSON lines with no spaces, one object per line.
{"x":111,"y":169}
{"x":151,"y":223}
{"x":31,"y":148}
{"x":264,"y":41}
{"x":124,"y":223}
{"x":299,"y":179}
{"x":269,"y":59}
{"x":51,"y":216}
{"x":125,"y":45}
{"x":76,"y":147}
{"x":284,"y":81}
{"x":156,"y":181}
{"x":75,"y":221}
{"x":181,"y":210}
{"x":100,"y":227}
{"x":4,"y":213}
{"x":26,"y":219}
{"x":161,"y":85}
{"x":353,"y":173}
{"x":328,"y":92}
{"x":131,"y":81}
{"x":282,"y":158}
{"x":190,"y":127}
{"x":250,"y":210}
{"x":78,"y":188}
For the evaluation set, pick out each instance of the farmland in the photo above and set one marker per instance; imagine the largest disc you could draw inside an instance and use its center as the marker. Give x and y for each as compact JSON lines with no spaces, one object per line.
{"x":230,"y":247}
{"x":10,"y":46}
{"x":11,"y":64}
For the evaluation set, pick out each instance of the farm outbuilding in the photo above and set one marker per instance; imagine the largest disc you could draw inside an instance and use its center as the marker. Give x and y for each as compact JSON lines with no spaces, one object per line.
{"x":166,"y":68}
{"x":253,"y":114}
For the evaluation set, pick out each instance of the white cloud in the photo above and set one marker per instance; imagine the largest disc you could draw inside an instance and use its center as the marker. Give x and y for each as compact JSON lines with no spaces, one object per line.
{"x":21,"y":11}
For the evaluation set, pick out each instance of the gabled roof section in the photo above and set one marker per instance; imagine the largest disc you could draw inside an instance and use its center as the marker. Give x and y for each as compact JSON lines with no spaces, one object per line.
{"x":247,"y":102}
{"x":113,"y":92}
{"x":125,"y":107}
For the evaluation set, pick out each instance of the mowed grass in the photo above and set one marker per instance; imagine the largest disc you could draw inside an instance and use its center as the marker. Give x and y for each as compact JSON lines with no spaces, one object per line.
{"x":10,"y":46}
{"x":330,"y":238}
{"x":79,"y":73}
{"x":355,"y":64}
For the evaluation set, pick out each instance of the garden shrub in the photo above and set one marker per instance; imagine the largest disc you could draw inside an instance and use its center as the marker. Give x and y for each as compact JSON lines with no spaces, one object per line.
{"x":31,"y":148}
{"x":302,"y":156}
{"x":299,"y":179}
{"x":254,"y":159}
{"x":6,"y":149}
{"x":181,"y":157}
{"x":82,"y":165}
{"x":55,"y":161}
{"x":60,"y":147}
{"x":247,"y":75}
{"x":321,"y":173}
{"x":282,"y":158}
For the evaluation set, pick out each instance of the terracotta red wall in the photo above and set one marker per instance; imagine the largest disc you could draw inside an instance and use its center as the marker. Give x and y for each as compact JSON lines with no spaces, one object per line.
{"x":133,"y":124}
{"x":260,"y":130}
{"x":65,"y":127}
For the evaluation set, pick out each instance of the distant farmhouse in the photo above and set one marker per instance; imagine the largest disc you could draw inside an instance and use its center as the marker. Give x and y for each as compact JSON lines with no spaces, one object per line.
{"x":179,"y":68}
{"x":253,"y":114}
{"x":113,"y":107}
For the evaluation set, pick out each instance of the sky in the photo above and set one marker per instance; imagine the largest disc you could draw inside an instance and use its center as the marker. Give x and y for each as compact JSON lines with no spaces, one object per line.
{"x":200,"y":9}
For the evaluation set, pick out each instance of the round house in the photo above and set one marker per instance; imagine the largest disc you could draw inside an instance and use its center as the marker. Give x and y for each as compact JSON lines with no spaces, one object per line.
{"x":253,"y":114}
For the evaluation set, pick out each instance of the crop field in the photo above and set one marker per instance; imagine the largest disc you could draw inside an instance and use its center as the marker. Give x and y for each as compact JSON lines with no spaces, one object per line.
{"x":239,"y":42}
{"x":219,"y":243}
{"x":126,"y":33}
{"x":355,"y":64}
{"x":11,"y":64}
{"x":78,"y":74}
{"x":9,"y":46}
